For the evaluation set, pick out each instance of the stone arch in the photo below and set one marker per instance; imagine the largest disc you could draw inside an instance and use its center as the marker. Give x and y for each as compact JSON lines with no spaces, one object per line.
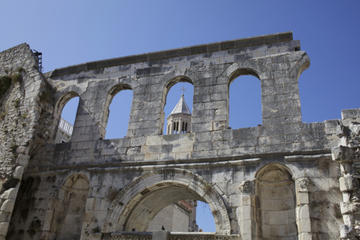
{"x":301,"y":65}
{"x":167,"y":86}
{"x":275,"y":207}
{"x":109,"y":97}
{"x":59,"y":106}
{"x":235,"y":71}
{"x":136,"y":198}
{"x":69,"y":207}
{"x":263,"y":165}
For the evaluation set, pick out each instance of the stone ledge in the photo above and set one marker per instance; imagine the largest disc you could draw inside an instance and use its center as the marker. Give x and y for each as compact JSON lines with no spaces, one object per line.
{"x":179,"y":52}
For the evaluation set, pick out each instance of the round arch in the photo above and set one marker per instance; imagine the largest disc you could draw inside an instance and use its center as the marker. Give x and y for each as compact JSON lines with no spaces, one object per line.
{"x":292,"y":169}
{"x":72,"y":178}
{"x":156,"y":189}
{"x":110,"y":94}
{"x":235,"y":70}
{"x":275,"y":205}
{"x":69,"y":206}
{"x":171,"y":82}
{"x":241,"y":73}
{"x":273,"y":165}
{"x":61,"y":102}
{"x":59,"y":106}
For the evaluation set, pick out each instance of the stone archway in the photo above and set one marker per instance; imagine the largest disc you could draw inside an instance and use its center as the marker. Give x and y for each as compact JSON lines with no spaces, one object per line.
{"x":275,"y":203}
{"x":136,"y":205}
{"x":70,"y":207}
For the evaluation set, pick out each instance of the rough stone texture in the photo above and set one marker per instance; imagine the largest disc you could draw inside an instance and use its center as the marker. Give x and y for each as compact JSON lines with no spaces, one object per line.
{"x":131,"y":179}
{"x":24,"y":115}
{"x":346,"y":153}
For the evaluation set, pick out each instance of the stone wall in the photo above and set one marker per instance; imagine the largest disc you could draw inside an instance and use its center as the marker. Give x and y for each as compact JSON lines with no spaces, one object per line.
{"x":131,"y":179}
{"x":346,"y":153}
{"x":24,"y":106}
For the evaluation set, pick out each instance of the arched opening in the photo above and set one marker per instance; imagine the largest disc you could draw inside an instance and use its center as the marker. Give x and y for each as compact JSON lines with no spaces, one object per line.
{"x":68,"y":106}
{"x":244,"y":99}
{"x":167,"y":206}
{"x":275,"y":209}
{"x":137,"y":204}
{"x":177,"y":109}
{"x":118,"y":111}
{"x":70,"y":208}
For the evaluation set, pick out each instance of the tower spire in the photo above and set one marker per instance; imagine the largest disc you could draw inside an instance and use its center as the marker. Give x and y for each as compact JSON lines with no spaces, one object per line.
{"x":179,"y":119}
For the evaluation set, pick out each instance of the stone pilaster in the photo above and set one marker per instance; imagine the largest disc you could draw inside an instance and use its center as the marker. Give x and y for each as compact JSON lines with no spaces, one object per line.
{"x":246,"y":214}
{"x":303,"y":220}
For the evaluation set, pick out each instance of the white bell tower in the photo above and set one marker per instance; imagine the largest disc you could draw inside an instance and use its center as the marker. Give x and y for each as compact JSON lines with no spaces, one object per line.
{"x":179,"y":120}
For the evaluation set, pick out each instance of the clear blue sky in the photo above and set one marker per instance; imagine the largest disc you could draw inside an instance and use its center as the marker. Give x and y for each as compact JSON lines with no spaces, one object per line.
{"x":73,"y":32}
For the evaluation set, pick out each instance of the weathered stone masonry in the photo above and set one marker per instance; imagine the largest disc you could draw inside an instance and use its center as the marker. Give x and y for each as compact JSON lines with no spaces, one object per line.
{"x":274,"y":181}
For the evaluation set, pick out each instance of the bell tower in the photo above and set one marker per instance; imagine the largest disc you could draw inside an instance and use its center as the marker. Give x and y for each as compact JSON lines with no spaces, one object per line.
{"x":179,"y":120}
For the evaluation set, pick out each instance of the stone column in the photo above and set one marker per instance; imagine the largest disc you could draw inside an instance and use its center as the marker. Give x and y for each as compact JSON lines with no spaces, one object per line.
{"x":303,"y":220}
{"x":87,"y":127}
{"x":246,"y":210}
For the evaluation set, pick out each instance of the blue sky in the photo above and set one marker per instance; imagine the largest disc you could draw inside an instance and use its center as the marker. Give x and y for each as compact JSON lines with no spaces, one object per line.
{"x":73,"y":32}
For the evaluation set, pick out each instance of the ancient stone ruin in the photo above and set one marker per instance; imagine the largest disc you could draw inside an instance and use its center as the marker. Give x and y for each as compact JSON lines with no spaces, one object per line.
{"x":283,"y":179}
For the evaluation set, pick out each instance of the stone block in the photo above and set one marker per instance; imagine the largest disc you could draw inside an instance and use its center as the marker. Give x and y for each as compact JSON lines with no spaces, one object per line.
{"x":245,"y":200}
{"x":18,"y":172}
{"x":304,"y":226}
{"x":236,"y":200}
{"x":350,"y":114}
{"x":302,"y":212}
{"x":4,"y":226}
{"x":153,"y":140}
{"x":90,"y":204}
{"x":346,"y":183}
{"x":302,"y":198}
{"x":9,"y":194}
{"x":48,"y":220}
{"x":8,"y":205}
{"x":347,"y":207}
{"x":276,"y":217}
{"x":245,"y":213}
{"x":5,"y":216}
{"x":160,"y":235}
{"x":305,"y":236}
{"x":348,"y":219}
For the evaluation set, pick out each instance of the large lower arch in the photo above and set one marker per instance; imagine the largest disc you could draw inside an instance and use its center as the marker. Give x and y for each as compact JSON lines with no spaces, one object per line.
{"x":136,"y":205}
